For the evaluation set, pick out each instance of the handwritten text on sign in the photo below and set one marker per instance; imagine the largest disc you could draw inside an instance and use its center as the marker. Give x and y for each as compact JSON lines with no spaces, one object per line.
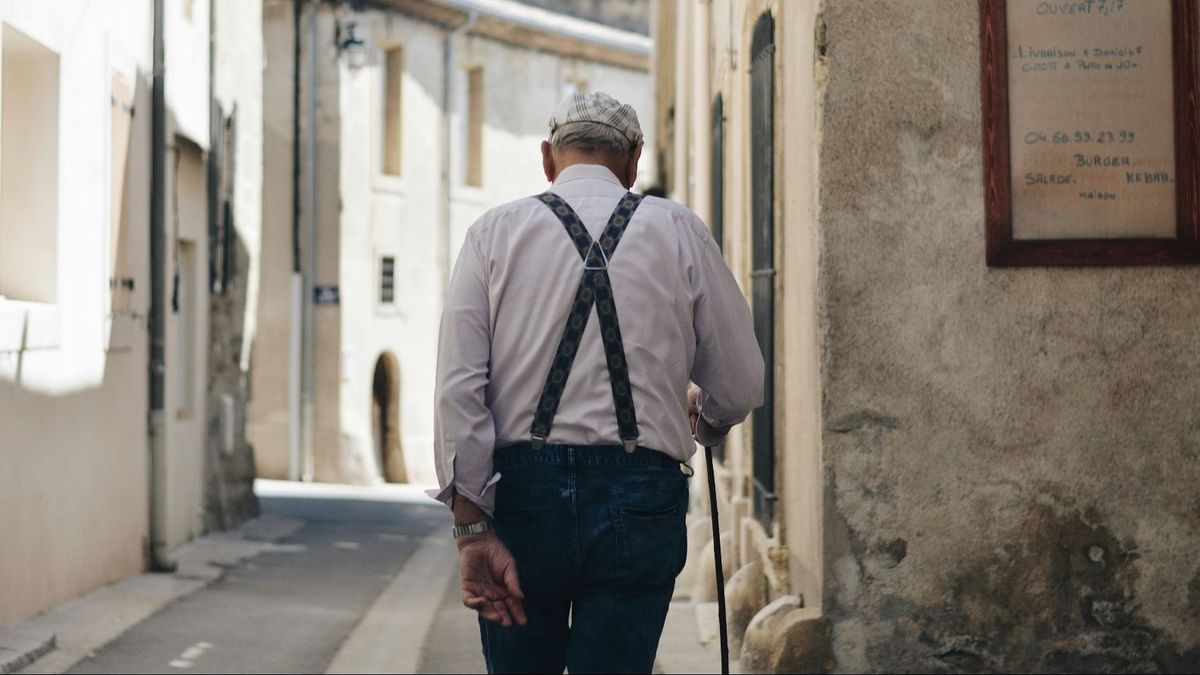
{"x":1091,"y":119}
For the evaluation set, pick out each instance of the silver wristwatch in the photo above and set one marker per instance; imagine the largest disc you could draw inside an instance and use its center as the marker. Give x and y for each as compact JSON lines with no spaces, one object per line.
{"x":474,"y":528}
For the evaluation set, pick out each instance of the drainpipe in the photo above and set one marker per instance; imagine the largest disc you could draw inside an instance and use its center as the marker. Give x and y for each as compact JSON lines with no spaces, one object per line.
{"x":448,"y":101}
{"x":157,"y":558}
{"x":295,"y":323}
{"x":307,"y":408}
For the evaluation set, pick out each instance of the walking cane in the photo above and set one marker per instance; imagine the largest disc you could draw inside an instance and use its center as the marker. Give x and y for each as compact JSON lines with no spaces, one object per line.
{"x":712,"y":500}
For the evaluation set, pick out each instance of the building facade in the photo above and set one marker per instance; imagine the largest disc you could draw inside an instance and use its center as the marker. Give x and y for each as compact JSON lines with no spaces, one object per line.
{"x":417,"y":116}
{"x":89,"y":493}
{"x":959,"y":467}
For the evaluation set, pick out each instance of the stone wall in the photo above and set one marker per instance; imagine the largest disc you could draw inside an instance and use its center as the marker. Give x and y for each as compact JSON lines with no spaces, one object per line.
{"x":237,"y":86}
{"x":1010,"y":455}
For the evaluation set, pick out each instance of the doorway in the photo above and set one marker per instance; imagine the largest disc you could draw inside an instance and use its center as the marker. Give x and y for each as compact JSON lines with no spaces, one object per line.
{"x":385,"y":419}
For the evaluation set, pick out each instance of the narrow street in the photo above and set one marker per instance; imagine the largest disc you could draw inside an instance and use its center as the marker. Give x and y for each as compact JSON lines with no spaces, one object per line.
{"x":293,"y":607}
{"x":922,"y":274}
{"x":328,"y":579}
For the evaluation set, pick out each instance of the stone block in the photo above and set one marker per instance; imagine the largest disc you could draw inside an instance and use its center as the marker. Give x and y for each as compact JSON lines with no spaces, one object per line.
{"x":704,"y":585}
{"x":699,"y":534}
{"x":787,"y":638}
{"x":745,"y":595}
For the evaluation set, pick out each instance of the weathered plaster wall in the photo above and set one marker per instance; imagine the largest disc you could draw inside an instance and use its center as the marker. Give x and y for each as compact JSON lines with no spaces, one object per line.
{"x":329,"y":463}
{"x":267,"y":411}
{"x":238,"y":81}
{"x":798,"y":394}
{"x":1010,"y":455}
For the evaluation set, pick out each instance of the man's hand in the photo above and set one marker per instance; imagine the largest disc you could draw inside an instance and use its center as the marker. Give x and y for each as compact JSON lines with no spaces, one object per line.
{"x":489,"y":579}
{"x":693,"y":398}
{"x":703,"y":432}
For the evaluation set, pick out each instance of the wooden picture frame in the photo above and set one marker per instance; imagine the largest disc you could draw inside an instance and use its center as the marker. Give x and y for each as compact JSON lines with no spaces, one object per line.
{"x":1003,"y":250}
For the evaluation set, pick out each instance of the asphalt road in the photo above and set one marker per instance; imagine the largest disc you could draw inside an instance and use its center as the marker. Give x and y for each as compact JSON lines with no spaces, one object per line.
{"x":287,"y":610}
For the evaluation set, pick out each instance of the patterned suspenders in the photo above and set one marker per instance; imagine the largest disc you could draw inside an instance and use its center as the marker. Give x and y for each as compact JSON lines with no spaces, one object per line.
{"x":594,"y":288}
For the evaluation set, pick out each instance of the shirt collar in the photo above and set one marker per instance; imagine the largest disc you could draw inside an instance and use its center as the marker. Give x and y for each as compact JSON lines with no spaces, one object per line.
{"x":582,"y":171}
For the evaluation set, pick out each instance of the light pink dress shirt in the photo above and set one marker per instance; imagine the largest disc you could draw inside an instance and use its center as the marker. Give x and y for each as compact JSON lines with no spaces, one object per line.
{"x":682,"y":317}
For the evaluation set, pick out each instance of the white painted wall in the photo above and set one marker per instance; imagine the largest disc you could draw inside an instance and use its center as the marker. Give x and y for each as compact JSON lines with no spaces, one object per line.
{"x":186,"y":26}
{"x":399,"y":216}
{"x":389,"y":216}
{"x":185,"y":23}
{"x":186,"y":341}
{"x":73,"y":378}
{"x":72,"y":404}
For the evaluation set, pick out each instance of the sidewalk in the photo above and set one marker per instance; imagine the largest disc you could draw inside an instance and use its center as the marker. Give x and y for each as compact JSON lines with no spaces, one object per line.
{"x":58,"y":638}
{"x":681,"y":649}
{"x":422,"y":606}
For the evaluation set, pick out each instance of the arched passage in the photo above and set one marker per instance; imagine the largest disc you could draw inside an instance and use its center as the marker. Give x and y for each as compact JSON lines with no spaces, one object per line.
{"x":385,"y":419}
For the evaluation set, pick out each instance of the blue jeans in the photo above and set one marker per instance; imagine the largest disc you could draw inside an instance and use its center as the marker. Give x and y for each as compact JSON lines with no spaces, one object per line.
{"x":599,"y":537}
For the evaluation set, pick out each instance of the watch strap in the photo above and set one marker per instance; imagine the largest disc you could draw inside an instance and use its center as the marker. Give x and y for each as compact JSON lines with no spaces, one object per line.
{"x":474,"y":528}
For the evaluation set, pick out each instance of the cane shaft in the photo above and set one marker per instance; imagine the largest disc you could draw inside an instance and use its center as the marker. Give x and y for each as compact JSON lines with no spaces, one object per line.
{"x":720,"y":568}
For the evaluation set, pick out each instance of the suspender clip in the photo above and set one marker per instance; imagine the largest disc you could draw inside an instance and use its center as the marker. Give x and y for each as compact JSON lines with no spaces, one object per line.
{"x":587,"y":261}
{"x":630,"y":444}
{"x":538,"y":442}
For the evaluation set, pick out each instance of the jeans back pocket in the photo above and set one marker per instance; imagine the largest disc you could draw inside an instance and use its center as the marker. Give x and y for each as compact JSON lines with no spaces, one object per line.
{"x":651,"y":543}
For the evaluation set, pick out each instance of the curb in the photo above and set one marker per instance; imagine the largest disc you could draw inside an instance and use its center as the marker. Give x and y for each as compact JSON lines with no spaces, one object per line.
{"x":390,"y":637}
{"x":20,"y":647}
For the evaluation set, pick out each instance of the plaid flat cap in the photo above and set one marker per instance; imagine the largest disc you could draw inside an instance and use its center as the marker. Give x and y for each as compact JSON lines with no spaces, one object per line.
{"x":599,"y":108}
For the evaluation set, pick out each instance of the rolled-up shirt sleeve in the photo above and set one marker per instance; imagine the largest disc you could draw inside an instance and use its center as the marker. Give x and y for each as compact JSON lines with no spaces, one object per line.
{"x":464,"y":431}
{"x":728,"y":366}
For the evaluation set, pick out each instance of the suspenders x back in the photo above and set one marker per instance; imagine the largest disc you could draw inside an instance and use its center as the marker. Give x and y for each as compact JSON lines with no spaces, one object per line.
{"x":596,"y":288}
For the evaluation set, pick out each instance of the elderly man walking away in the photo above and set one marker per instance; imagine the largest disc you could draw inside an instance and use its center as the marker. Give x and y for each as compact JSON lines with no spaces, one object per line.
{"x":560,"y":438}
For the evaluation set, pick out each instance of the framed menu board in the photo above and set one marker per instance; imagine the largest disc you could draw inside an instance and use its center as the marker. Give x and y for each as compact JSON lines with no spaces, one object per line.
{"x":1090,"y":132}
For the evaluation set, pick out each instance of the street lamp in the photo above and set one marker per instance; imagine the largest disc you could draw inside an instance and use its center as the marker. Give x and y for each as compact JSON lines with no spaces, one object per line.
{"x":351,"y":46}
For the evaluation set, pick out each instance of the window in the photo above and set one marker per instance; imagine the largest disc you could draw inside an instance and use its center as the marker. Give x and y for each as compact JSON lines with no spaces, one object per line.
{"x":717,"y":207}
{"x":387,"y":280}
{"x":28,"y":169}
{"x":393,"y":76}
{"x":475,"y":116}
{"x":222,"y":234}
{"x":762,"y":216}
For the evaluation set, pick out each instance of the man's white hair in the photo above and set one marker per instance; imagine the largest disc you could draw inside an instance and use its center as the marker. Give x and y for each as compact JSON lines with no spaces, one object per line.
{"x":591,"y":137}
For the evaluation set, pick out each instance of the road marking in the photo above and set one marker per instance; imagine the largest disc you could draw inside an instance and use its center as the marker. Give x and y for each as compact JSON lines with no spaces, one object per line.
{"x":190,"y":655}
{"x":286,"y":548}
{"x":347,"y":545}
